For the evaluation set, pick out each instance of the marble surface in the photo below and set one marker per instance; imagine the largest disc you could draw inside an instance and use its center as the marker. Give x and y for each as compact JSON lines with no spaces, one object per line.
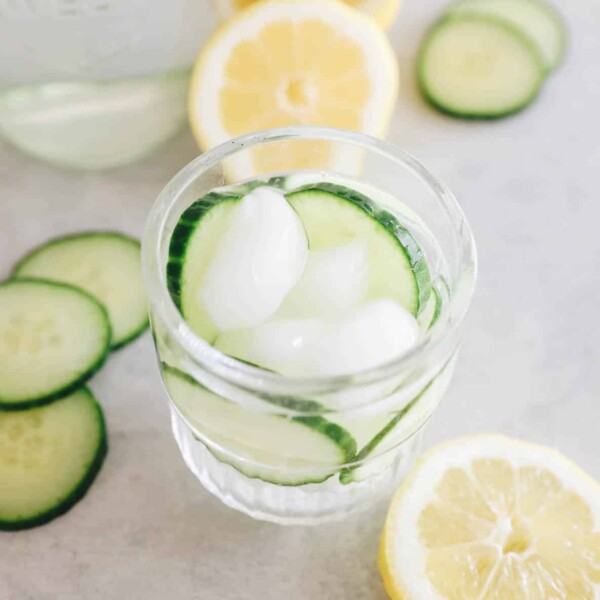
{"x":529,"y":367}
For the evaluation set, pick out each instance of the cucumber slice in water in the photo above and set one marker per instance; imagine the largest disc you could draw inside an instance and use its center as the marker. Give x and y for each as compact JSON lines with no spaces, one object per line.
{"x":276,"y":449}
{"x":432,"y":310}
{"x":194,"y":237}
{"x":53,"y":338}
{"x":192,"y":243}
{"x":334,"y":215}
{"x":537,"y":20}
{"x":107,"y":265}
{"x":49,"y":457}
{"x":400,"y":427}
{"x":479,"y":68}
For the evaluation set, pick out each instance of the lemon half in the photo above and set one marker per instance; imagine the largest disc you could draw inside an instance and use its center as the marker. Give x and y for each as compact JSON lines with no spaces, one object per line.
{"x":491,"y":518}
{"x":291,"y":62}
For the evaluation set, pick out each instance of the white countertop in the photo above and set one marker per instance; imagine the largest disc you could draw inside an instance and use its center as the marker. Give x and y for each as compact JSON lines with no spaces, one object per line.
{"x":530,"y":365}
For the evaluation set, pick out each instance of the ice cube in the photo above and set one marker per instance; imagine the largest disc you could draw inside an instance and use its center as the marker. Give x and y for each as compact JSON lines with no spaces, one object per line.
{"x":258,"y":260}
{"x":371,"y":336}
{"x":333,"y":283}
{"x":278,"y":345}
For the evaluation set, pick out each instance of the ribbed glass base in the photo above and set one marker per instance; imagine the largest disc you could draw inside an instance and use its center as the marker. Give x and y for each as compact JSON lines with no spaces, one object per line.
{"x":308,"y":504}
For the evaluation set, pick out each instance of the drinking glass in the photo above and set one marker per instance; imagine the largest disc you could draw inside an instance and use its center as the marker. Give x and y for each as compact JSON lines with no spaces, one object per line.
{"x":385,"y":409}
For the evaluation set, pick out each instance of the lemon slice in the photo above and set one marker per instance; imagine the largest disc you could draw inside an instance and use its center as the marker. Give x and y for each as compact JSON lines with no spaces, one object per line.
{"x":491,"y":518}
{"x":383,"y":11}
{"x":291,"y":62}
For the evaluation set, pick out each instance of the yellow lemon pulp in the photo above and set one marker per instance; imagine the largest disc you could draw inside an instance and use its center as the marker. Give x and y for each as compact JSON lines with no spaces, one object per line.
{"x":383,"y":11}
{"x":288,"y":63}
{"x":512,"y":521}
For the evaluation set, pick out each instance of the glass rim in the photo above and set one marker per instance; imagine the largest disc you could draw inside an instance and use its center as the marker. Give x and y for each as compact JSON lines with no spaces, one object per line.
{"x":255,"y":378}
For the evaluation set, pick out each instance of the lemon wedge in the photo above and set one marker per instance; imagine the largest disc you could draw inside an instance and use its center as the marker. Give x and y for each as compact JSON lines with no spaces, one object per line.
{"x":491,"y":518}
{"x":383,"y":11}
{"x":291,"y":62}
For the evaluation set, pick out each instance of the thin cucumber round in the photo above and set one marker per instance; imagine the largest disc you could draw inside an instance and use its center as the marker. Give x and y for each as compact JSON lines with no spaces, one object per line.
{"x":432,"y":310}
{"x":373,"y":456}
{"x":274,"y":448}
{"x":105,"y":264}
{"x":49,"y":457}
{"x":479,"y":68}
{"x":53,"y":338}
{"x":289,"y":403}
{"x":333,"y":215}
{"x":193,"y":240}
{"x":536,"y":19}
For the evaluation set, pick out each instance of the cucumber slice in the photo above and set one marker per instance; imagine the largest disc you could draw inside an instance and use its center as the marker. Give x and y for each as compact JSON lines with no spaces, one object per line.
{"x":188,"y":238}
{"x":194,"y":239}
{"x":432,"y":310}
{"x":289,"y":403}
{"x":276,"y":449}
{"x":331,"y":214}
{"x":537,"y":20}
{"x":53,"y":337}
{"x":479,"y":68}
{"x":49,"y":457}
{"x":106,"y":265}
{"x":400,"y":427}
{"x":363,"y":427}
{"x":334,"y":215}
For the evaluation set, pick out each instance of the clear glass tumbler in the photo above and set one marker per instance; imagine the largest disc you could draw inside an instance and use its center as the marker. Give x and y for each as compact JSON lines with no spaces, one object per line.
{"x":238,"y":453}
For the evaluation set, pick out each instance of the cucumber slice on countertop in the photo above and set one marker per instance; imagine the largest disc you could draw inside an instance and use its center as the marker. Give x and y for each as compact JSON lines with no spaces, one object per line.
{"x":106,"y":265}
{"x":53,"y":338}
{"x":479,"y":68}
{"x":276,"y":449}
{"x":400,"y":427}
{"x":536,"y":19}
{"x":193,"y":240}
{"x":333,"y":215}
{"x":49,"y":457}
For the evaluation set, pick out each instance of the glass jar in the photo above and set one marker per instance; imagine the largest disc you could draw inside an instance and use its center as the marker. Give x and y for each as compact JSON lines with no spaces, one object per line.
{"x":236,"y":448}
{"x":96,"y":84}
